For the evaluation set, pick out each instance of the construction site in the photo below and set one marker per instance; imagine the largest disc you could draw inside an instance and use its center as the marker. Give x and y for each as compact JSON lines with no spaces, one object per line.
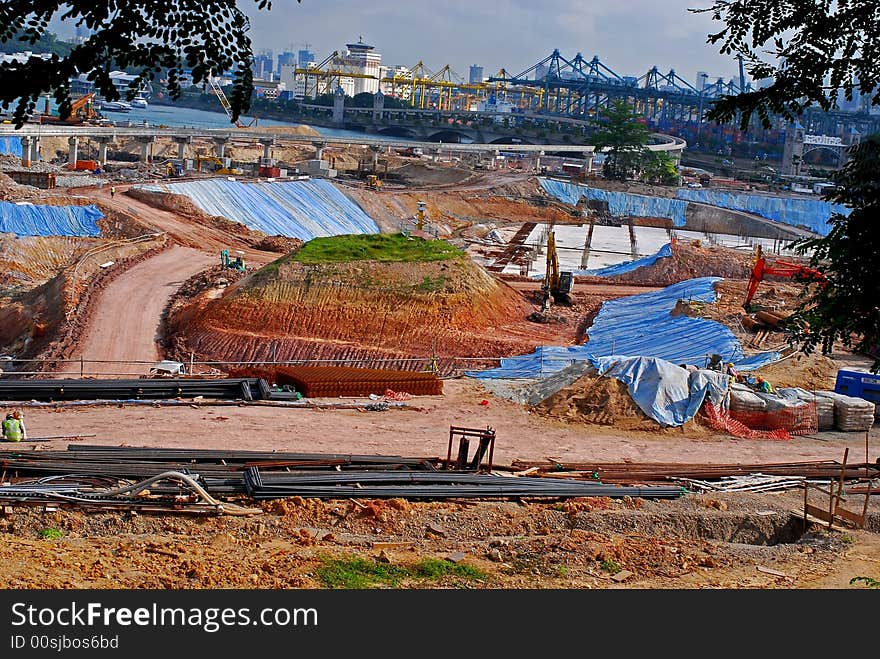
{"x":275,"y":361}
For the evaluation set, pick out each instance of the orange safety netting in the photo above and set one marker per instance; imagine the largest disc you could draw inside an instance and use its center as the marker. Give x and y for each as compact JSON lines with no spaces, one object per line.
{"x":796,"y":419}
{"x":720,"y":419}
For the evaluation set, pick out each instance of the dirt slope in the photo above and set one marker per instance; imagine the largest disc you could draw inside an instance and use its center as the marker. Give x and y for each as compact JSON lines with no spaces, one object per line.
{"x":129,"y":311}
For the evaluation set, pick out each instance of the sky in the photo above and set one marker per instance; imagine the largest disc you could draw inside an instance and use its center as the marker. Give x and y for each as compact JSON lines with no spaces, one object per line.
{"x":629,"y":36}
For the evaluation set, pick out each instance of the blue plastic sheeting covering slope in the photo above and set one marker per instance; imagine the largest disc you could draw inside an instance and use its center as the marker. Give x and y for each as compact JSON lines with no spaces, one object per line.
{"x":32,"y":220}
{"x":642,"y":326}
{"x":619,"y":203}
{"x":297,"y":209}
{"x":664,"y":391}
{"x":10,"y":146}
{"x":629,"y":266}
{"x":810,"y":213}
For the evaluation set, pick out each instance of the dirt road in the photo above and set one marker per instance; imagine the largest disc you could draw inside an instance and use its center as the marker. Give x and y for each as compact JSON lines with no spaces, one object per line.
{"x":181,"y":230}
{"x":129,"y":311}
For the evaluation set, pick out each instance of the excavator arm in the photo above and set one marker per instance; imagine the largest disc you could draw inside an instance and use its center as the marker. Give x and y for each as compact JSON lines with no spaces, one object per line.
{"x":780,"y":269}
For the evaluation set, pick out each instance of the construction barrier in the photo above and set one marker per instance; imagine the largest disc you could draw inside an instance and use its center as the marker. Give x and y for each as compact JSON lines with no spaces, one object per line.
{"x":720,"y":419}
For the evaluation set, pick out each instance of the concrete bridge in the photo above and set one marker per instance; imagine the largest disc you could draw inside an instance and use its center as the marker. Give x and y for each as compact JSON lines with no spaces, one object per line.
{"x":31,"y":135}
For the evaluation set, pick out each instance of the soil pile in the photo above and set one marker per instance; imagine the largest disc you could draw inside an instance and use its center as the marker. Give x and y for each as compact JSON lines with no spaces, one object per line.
{"x":599,"y":400}
{"x":688,"y":260}
{"x":813,"y":372}
{"x":422,"y":174}
{"x":360,"y":309}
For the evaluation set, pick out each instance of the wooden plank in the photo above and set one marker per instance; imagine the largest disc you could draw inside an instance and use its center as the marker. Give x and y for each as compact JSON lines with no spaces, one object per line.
{"x":850,"y":516}
{"x":767,"y":570}
{"x":820,"y":513}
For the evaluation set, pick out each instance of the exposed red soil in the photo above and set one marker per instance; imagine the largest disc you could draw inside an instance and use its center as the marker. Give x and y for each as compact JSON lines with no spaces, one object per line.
{"x":361,"y":310}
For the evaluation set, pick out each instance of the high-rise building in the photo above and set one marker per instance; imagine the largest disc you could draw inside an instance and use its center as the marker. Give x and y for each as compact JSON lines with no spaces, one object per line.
{"x":476,"y":74}
{"x":287,"y":57}
{"x":362,"y":59}
{"x":303,"y":57}
{"x":264,"y":65}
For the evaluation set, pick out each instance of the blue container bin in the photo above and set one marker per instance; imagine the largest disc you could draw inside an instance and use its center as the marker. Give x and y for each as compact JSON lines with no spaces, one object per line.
{"x":859,"y":384}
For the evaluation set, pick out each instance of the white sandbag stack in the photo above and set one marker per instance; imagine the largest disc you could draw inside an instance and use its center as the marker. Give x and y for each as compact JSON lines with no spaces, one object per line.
{"x":824,"y":405}
{"x":850,"y":414}
{"x":743,"y":399}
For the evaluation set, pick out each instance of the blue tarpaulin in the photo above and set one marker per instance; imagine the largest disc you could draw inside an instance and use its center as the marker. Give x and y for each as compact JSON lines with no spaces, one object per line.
{"x":812,"y":214}
{"x":297,"y":209}
{"x":642,"y":325}
{"x":664,"y":391}
{"x":33,"y":220}
{"x":628,"y":266}
{"x":10,"y":146}
{"x":622,"y":204}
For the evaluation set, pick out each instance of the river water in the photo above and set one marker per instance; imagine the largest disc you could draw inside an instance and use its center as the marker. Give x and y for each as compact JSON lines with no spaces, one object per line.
{"x":166,"y":115}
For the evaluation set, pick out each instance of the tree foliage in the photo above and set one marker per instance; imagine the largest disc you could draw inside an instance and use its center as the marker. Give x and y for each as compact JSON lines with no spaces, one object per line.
{"x":206,"y":37}
{"x":624,"y":140}
{"x":847,"y":308}
{"x":814,"y":50}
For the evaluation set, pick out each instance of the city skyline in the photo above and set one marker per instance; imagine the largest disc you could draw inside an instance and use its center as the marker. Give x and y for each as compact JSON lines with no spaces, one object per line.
{"x":510,"y":34}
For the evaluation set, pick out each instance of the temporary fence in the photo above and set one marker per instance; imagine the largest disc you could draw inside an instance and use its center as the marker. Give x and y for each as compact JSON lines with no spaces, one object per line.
{"x":11,"y":146}
{"x":720,"y":419}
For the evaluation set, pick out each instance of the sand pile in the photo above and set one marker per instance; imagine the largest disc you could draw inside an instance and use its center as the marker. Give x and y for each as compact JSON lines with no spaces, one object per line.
{"x":599,"y":400}
{"x":813,"y":372}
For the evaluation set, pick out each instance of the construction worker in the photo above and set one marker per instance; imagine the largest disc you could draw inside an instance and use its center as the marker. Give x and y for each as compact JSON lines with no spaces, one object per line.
{"x":732,"y":372}
{"x":112,"y":191}
{"x":13,"y":429}
{"x":764,"y":386}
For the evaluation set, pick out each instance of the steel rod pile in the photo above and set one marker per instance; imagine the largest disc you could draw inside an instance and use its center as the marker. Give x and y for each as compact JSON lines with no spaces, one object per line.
{"x":434,"y":485}
{"x":136,"y":389}
{"x":659,"y":472}
{"x":220,"y":471}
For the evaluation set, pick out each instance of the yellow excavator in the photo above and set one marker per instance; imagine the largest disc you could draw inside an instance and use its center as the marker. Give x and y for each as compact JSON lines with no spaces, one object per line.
{"x":556,"y":284}
{"x":219,"y":165}
{"x":373,"y":182}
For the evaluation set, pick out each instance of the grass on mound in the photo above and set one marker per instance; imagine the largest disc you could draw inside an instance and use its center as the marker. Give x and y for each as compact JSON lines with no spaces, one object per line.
{"x":393,"y":247}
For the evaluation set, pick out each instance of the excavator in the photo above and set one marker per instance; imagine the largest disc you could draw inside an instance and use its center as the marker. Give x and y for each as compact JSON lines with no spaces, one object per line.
{"x":219,"y":165}
{"x":234,"y":264}
{"x":82,"y":110}
{"x":556,"y":284}
{"x":780,"y":269}
{"x":373,"y":182}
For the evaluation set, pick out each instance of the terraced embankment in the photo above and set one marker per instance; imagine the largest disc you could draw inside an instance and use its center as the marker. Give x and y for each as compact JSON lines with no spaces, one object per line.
{"x":358,"y":308}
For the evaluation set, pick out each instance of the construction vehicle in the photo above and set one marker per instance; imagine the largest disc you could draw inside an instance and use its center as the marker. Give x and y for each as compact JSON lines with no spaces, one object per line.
{"x":219,"y":166}
{"x":373,"y":182}
{"x":173,"y":169}
{"x":234,"y":264}
{"x":778,"y":268}
{"x":556,"y":284}
{"x":82,"y":110}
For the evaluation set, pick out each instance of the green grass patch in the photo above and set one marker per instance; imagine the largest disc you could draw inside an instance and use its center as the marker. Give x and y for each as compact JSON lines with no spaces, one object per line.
{"x":51,"y":534}
{"x":388,"y":247}
{"x":432,"y":568}
{"x":357,"y":572}
{"x":610,"y":566}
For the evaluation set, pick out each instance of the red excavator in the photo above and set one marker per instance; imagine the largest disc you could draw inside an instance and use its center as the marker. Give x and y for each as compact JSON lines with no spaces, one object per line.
{"x":780,"y":269}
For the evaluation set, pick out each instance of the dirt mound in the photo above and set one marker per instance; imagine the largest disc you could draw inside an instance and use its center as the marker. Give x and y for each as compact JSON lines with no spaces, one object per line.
{"x":357,"y":310}
{"x":600,"y":400}
{"x":688,"y":260}
{"x":811,"y":372}
{"x":280,"y":244}
{"x":184,"y":206}
{"x":420,"y":173}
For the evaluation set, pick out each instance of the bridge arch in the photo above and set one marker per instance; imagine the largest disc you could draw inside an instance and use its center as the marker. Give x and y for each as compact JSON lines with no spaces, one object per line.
{"x":448,"y":135}
{"x":508,"y":141}
{"x":397,"y":131}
